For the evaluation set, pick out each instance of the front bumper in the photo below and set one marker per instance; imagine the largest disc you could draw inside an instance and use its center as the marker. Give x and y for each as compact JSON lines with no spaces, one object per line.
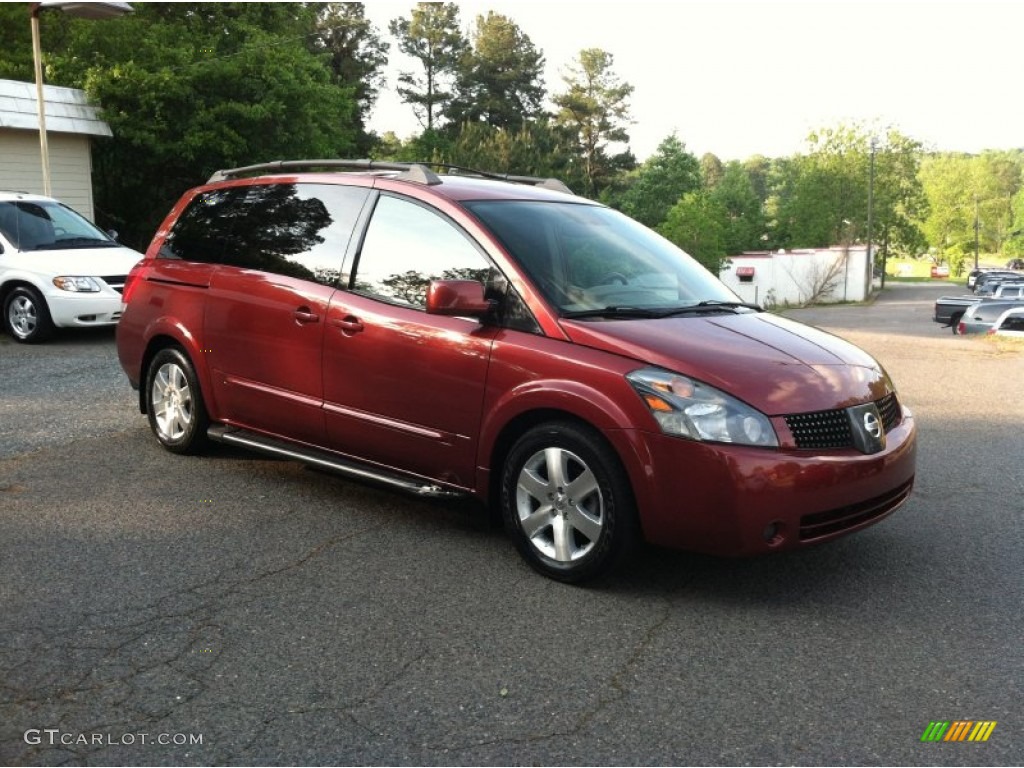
{"x":736,"y":500}
{"x":84,"y":310}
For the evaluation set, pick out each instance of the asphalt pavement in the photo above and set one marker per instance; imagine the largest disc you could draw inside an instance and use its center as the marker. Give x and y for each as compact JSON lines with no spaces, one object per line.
{"x":238,"y":610}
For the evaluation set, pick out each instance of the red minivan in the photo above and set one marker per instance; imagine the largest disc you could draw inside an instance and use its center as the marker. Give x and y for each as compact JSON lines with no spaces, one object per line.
{"x":458,"y":334}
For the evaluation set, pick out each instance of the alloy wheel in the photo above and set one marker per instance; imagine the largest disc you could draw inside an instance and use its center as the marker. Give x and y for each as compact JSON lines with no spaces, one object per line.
{"x":559,"y":504}
{"x":171,"y":399}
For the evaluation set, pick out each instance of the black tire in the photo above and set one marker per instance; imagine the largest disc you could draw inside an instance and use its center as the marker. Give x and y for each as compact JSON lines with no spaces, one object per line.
{"x":174,"y":403}
{"x":26,"y":316}
{"x":566,"y":537}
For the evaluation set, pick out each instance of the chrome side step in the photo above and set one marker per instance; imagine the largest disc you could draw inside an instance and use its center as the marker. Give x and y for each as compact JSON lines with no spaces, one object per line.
{"x":328,"y":461}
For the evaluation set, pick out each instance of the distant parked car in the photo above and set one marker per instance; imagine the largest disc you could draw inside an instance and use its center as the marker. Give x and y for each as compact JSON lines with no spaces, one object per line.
{"x":1009,"y":290}
{"x":940,"y":270}
{"x":993,"y":274}
{"x":57,"y":270}
{"x":990,"y":287}
{"x":1010,"y":323}
{"x":982,"y":315}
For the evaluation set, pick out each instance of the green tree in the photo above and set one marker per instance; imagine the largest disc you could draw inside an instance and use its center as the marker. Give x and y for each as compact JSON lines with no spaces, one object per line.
{"x":500,"y":78}
{"x":432,"y":37}
{"x":949,"y":225}
{"x":659,"y":183}
{"x":743,"y":225}
{"x":1015,"y":238}
{"x":595,"y":109}
{"x":821,"y":198}
{"x":535,"y":149}
{"x":711,"y":170}
{"x":695,"y":224}
{"x":357,"y":57}
{"x":899,"y":202}
{"x":188,"y":88}
{"x":968,"y":190}
{"x":996,"y":179}
{"x":16,"y":52}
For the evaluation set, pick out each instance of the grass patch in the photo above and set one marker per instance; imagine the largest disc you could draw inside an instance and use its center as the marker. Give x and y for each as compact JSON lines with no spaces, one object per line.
{"x":1005,"y":344}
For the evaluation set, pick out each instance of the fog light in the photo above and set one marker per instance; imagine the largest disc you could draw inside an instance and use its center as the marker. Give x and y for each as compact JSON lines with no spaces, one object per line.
{"x":772,"y":534}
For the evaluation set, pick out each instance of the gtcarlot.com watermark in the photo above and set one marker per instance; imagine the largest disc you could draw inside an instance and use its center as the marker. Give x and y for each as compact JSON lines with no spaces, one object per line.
{"x":54,"y":737}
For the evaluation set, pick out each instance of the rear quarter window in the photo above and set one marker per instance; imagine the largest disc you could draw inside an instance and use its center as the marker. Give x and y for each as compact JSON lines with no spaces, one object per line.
{"x":295,"y":230}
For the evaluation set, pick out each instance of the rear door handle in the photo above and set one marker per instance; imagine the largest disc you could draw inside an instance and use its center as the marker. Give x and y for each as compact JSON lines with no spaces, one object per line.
{"x":303,"y":315}
{"x":349,"y":324}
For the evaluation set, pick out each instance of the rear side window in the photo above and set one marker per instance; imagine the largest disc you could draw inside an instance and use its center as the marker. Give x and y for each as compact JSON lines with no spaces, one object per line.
{"x":296,"y":230}
{"x":201,"y":230}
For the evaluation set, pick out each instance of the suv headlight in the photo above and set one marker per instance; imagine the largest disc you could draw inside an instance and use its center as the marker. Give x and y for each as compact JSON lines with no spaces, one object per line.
{"x":688,"y":408}
{"x":76,"y":284}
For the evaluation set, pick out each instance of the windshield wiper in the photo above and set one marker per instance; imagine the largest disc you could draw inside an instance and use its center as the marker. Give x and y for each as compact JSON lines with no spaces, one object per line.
{"x":84,"y":242}
{"x":710,"y":305}
{"x":614,"y":311}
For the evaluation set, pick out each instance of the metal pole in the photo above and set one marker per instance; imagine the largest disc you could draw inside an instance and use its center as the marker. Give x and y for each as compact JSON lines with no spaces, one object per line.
{"x":977,"y":226}
{"x":37,"y":60}
{"x":871,"y":196}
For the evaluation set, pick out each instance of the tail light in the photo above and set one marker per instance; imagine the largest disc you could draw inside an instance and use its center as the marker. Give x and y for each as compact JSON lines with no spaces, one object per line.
{"x":961,"y":328}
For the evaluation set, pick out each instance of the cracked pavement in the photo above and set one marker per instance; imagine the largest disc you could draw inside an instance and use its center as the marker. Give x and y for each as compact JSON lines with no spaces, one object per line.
{"x":290,"y":617}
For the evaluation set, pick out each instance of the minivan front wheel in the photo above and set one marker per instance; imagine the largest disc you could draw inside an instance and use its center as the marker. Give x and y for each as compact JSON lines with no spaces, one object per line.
{"x":567,"y":502}
{"x":174,"y":403}
{"x":26,"y":316}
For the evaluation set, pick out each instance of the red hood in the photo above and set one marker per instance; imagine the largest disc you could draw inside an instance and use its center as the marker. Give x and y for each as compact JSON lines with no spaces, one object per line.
{"x":776,"y":365}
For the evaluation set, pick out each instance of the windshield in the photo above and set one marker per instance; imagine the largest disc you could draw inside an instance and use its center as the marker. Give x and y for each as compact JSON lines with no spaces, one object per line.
{"x":40,"y":225}
{"x":587,"y":259}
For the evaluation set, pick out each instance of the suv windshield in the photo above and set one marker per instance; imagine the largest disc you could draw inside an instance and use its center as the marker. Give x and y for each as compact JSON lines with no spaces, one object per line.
{"x":588,"y":260}
{"x":42,"y":225}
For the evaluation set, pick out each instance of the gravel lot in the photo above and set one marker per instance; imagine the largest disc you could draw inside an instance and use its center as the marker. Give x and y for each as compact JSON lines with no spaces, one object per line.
{"x":285,"y":616}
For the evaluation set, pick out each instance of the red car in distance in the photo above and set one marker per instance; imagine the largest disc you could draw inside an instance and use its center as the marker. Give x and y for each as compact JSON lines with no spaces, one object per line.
{"x":456,"y":334}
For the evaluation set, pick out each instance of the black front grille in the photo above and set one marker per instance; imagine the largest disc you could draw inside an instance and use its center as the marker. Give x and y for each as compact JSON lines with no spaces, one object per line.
{"x":115,"y":281}
{"x":831,"y":429}
{"x":823,"y":429}
{"x":822,"y":524}
{"x":889,"y":410}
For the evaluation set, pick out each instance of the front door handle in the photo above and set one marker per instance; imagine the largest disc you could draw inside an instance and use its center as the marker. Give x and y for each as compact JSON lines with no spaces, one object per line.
{"x":303,"y":315}
{"x":349,"y":324}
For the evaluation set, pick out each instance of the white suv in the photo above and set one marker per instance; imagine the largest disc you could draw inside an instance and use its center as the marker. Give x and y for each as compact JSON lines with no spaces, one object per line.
{"x":57,"y":270}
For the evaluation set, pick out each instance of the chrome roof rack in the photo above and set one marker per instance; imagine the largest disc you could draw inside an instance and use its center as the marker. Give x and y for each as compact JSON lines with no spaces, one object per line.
{"x":418,"y":173}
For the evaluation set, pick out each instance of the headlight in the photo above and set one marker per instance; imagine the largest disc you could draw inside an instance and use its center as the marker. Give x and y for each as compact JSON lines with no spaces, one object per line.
{"x":688,"y":408}
{"x":76,"y":284}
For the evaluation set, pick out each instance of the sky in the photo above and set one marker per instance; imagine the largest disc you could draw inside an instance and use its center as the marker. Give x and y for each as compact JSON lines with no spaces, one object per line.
{"x":744,"y":78}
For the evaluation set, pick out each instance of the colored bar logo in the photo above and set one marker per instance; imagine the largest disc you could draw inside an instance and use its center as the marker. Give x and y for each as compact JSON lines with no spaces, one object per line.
{"x":958,"y":730}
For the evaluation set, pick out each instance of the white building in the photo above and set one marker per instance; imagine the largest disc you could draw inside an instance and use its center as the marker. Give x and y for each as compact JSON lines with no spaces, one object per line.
{"x":800,"y":277}
{"x":71,"y":122}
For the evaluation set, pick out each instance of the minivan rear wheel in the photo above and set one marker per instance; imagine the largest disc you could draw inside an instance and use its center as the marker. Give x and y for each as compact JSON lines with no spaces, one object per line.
{"x":567,"y":502}
{"x":174,"y":403}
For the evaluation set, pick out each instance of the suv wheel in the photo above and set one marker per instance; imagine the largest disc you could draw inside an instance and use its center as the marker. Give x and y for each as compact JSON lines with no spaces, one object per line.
{"x":567,"y":502}
{"x":174,"y":403}
{"x":26,"y":316}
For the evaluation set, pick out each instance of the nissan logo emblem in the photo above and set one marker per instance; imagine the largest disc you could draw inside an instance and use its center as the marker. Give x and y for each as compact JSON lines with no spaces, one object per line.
{"x":871,"y":425}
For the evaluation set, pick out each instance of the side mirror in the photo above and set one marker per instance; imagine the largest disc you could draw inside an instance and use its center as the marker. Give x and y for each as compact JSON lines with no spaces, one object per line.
{"x":112,"y":234}
{"x":463,"y":298}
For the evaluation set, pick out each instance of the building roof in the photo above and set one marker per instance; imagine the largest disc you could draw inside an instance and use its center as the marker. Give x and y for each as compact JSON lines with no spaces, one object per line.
{"x":67,"y":109}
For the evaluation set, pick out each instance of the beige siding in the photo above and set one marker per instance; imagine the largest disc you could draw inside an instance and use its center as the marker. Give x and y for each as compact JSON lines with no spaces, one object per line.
{"x":70,"y":167}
